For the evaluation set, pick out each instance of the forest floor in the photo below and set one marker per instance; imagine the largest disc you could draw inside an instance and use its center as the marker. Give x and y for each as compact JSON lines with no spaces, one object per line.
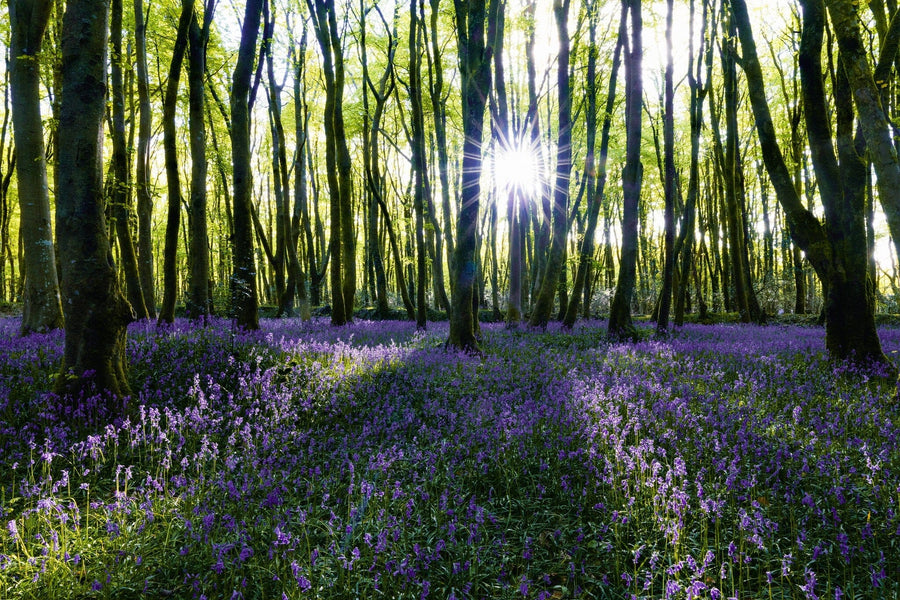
{"x":368,"y":461}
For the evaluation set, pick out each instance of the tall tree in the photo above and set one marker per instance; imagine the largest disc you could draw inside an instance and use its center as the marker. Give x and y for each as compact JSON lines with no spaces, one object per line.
{"x":342,"y":243}
{"x":173,"y":177}
{"x":665,"y":301}
{"x":121,"y":189}
{"x":301,"y":219}
{"x":372,"y":160}
{"x":96,"y":311}
{"x":549,"y":282}
{"x":435,"y":239}
{"x":837,"y":250}
{"x":286,"y":240}
{"x":198,"y":35}
{"x":7,"y":168}
{"x":245,"y":304}
{"x":142,"y":163}
{"x":731,"y":170}
{"x":698,"y":91}
{"x":506,"y":141}
{"x":42,"y":309}
{"x":475,"y":71}
{"x":418,"y":159}
{"x":620,"y":322}
{"x":439,"y":109}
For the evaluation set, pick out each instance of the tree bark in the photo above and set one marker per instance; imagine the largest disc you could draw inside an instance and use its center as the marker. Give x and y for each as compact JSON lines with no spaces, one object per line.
{"x":96,"y":312}
{"x":438,"y":106}
{"x":42,"y":310}
{"x":698,"y":92}
{"x":7,"y":167}
{"x":839,"y":248}
{"x":849,"y":313}
{"x":371,"y":160}
{"x":301,"y":218}
{"x":322,"y":11}
{"x":348,"y":232}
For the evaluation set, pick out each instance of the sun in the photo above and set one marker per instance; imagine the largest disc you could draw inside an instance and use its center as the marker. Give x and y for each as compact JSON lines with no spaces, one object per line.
{"x":517,"y":166}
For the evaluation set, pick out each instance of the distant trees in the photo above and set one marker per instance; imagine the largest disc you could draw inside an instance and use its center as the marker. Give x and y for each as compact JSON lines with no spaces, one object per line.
{"x":352,"y":173}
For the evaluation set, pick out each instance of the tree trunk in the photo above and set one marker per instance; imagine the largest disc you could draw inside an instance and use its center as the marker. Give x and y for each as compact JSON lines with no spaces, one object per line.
{"x":170,"y":145}
{"x":7,"y":167}
{"x":322,"y":11}
{"x":850,"y":320}
{"x":96,"y":312}
{"x":142,"y":166}
{"x":348,"y":233}
{"x":698,"y":92}
{"x":244,"y":298}
{"x":121,"y":189}
{"x":839,"y":248}
{"x":620,"y":323}
{"x":731,"y":179}
{"x":42,"y":310}
{"x":544,"y":305}
{"x":475,"y":69}
{"x":301,"y":218}
{"x":198,"y":34}
{"x":665,"y":303}
{"x":439,"y":109}
{"x":371,"y":160}
{"x":419,"y":164}
{"x":867,"y":98}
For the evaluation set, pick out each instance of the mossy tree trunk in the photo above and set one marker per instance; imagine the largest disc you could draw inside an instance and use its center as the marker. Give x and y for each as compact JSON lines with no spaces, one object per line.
{"x":419,"y":165}
{"x":372,"y":160}
{"x":665,"y":295}
{"x":837,"y":251}
{"x":42,"y":310}
{"x":96,"y":312}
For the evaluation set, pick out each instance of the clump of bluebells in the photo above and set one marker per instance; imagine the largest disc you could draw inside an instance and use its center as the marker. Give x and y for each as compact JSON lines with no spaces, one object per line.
{"x":304,"y":460}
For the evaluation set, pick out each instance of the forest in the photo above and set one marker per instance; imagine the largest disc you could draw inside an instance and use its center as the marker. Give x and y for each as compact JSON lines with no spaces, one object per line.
{"x":470,"y":299}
